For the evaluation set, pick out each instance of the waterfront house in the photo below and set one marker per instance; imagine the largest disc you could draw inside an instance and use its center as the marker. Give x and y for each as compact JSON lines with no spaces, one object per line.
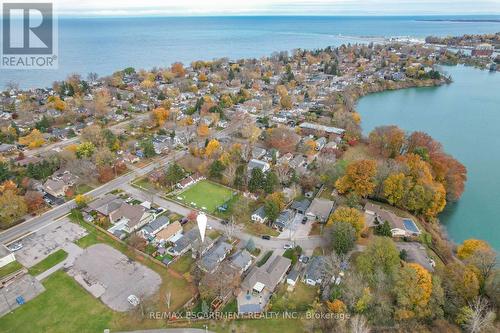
{"x":400,"y":227}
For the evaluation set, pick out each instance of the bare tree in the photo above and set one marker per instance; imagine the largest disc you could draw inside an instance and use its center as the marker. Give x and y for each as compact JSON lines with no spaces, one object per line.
{"x":229,"y":228}
{"x":481,"y":318}
{"x":359,"y":325}
{"x":168,"y":298}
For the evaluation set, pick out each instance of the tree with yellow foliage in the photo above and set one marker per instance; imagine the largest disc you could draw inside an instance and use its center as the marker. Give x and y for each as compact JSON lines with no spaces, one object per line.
{"x":33,"y":140}
{"x":203,"y":130}
{"x":395,"y":188}
{"x":413,"y":289}
{"x":470,"y":246}
{"x":57,"y":103}
{"x":159,"y":116}
{"x":81,"y":200}
{"x":349,"y":215}
{"x":211,"y":148}
{"x":359,"y":178}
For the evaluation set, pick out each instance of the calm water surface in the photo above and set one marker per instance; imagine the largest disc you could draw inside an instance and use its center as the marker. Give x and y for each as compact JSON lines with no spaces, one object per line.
{"x":465,"y":117}
{"x":105,"y":45}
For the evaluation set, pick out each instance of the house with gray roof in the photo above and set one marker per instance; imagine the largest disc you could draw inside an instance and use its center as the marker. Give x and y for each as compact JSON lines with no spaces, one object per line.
{"x":284,"y":219}
{"x":320,"y":209}
{"x":260,"y":283}
{"x":155,"y":226}
{"x":263,"y":166}
{"x":105,"y":204}
{"x":315,"y":272}
{"x":212,"y":258}
{"x":259,"y":215}
{"x":300,"y":206}
{"x":241,"y":261}
{"x":191,"y":240}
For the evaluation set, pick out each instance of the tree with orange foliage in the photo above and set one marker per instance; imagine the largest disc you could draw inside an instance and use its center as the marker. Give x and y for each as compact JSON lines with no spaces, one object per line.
{"x":359,"y":178}
{"x":387,"y":141}
{"x":178,"y":69}
{"x":106,"y":174}
{"x":282,"y":138}
{"x":8,"y":185}
{"x":203,"y":130}
{"x":34,"y":201}
{"x":336,"y":306}
{"x":413,"y":289}
{"x":159,"y":116}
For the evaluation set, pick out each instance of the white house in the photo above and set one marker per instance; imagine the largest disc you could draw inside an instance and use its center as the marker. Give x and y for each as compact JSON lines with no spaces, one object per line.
{"x":259,"y":215}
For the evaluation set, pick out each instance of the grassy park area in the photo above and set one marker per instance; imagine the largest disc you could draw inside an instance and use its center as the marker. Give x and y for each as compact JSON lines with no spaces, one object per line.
{"x":205,"y":195}
{"x":63,"y":307}
{"x":10,"y":268}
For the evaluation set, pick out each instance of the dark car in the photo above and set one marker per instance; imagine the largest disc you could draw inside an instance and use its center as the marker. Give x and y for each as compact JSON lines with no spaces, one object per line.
{"x":304,"y":220}
{"x":267,"y":237}
{"x":224,"y":222}
{"x":184,"y":220}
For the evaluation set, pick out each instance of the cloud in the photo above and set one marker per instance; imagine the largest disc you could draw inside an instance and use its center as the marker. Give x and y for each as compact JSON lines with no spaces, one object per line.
{"x":275,"y":7}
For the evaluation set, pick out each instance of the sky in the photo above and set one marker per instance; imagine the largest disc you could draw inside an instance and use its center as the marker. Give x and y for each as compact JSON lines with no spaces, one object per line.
{"x":275,"y":7}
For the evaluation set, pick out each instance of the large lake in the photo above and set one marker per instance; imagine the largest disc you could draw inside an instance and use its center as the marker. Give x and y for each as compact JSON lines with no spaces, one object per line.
{"x":105,"y":45}
{"x":465,"y":117}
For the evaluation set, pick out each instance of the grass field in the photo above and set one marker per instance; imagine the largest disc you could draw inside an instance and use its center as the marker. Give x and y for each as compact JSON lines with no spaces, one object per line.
{"x":205,"y":195}
{"x":63,"y":307}
{"x":10,"y":268}
{"x":48,"y":262}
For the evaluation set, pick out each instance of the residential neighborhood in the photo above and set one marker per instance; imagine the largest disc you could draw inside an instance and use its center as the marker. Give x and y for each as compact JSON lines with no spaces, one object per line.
{"x":103,"y":181}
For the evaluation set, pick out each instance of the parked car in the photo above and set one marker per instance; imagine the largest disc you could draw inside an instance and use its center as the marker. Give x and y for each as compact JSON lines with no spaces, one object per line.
{"x":184,"y":220}
{"x":15,"y":247}
{"x":304,"y":220}
{"x":224,"y":222}
{"x":266,"y":237}
{"x":287,"y":246}
{"x":134,"y":300}
{"x":303,"y":259}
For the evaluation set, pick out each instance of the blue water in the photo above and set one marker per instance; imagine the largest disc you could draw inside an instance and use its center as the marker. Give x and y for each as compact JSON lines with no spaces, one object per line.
{"x":104,"y":45}
{"x":464,"y":116}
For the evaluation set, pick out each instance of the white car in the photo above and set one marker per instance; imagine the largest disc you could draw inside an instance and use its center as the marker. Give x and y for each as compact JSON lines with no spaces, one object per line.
{"x":134,"y":300}
{"x":15,"y":247}
{"x":288,"y":246}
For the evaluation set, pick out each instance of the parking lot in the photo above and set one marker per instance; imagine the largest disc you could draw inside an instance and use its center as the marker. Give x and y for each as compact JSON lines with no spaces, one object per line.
{"x":111,"y":276}
{"x":42,"y":243}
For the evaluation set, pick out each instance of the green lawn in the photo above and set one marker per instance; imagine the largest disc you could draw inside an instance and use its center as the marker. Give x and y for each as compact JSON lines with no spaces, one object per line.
{"x":300,"y":299}
{"x":10,"y":268}
{"x":205,"y":194}
{"x":48,"y":262}
{"x":183,"y":264}
{"x":83,"y":188}
{"x":63,"y":307}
